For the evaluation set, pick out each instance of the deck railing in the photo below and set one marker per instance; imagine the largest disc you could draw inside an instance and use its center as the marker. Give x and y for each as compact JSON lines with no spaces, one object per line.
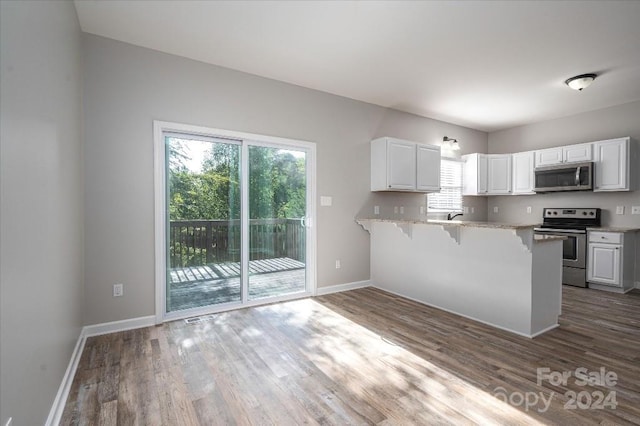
{"x":199,"y":242}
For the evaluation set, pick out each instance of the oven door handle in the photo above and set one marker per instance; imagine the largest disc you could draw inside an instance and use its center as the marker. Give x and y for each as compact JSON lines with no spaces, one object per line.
{"x":560,"y":231}
{"x":578,"y":176}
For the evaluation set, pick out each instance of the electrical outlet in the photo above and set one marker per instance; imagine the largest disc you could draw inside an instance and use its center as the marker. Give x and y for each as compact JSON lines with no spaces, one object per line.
{"x":635,"y":209}
{"x":529,"y":209}
{"x":326,"y":201}
{"x":338,"y":265}
{"x":395,"y":209}
{"x":401,"y":209}
{"x":495,"y":209}
{"x":473,"y":209}
{"x":619,"y":209}
{"x":422,"y":209}
{"x":376,"y":209}
{"x":118,"y":290}
{"x":465,"y":210}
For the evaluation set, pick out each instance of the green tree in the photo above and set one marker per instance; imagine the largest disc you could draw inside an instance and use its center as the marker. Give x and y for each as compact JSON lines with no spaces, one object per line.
{"x":277,"y":184}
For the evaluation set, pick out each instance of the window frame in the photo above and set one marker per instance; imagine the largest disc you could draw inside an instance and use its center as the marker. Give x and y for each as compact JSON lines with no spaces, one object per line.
{"x":443,"y":186}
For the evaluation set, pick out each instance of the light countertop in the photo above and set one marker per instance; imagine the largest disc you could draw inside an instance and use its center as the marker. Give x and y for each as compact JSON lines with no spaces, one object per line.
{"x":471,"y":224}
{"x":614,"y":229}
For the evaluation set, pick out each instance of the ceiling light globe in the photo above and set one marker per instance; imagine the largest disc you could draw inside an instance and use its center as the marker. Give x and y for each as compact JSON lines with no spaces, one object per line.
{"x":580,"y":82}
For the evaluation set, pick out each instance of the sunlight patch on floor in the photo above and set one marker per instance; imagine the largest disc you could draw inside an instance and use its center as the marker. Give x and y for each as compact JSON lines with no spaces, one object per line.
{"x":367,"y":364}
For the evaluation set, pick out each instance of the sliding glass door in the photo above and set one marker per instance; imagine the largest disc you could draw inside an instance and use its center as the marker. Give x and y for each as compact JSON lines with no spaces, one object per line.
{"x":204,"y":230}
{"x":236,"y":217}
{"x":277,"y":228}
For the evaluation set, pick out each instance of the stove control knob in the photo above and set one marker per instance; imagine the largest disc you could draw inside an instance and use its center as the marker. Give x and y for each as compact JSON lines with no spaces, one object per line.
{"x":584,"y":213}
{"x":591,"y":213}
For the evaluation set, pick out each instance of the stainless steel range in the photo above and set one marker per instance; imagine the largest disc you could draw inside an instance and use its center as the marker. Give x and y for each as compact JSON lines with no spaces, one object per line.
{"x":573,"y":224}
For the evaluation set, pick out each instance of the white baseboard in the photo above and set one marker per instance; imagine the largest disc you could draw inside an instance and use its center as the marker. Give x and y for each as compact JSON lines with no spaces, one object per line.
{"x":342,"y":287}
{"x":115,"y":326}
{"x":55,"y":414}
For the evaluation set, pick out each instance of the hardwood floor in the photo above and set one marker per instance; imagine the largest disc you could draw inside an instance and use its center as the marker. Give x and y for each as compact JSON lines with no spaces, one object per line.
{"x":364,"y":357}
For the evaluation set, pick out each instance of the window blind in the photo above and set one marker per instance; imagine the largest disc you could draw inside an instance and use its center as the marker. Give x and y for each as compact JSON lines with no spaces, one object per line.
{"x":449,"y":198}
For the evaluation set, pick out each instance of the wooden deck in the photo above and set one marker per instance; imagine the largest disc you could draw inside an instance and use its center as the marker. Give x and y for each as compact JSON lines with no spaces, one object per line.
{"x":215,"y":284}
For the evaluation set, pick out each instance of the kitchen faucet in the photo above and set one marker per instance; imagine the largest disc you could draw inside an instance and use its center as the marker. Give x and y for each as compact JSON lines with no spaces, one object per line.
{"x":450,"y":217}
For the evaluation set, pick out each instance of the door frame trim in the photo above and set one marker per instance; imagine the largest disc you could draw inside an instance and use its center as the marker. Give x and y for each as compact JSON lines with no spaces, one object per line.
{"x":160,"y":231}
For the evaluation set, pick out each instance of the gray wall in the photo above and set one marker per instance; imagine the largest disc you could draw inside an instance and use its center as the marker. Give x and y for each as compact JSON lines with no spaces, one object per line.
{"x":127,"y":87}
{"x":607,"y":123}
{"x":41,"y":209}
{"x":623,"y":120}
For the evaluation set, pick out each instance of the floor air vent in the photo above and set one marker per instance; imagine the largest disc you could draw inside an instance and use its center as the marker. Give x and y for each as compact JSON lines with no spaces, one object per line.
{"x":197,"y":320}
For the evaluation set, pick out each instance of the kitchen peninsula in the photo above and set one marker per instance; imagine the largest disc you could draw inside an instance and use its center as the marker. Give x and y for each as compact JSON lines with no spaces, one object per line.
{"x":498,"y":274}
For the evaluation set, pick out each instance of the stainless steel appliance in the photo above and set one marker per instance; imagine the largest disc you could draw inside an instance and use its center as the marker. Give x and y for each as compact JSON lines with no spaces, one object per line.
{"x":573,"y":224}
{"x":564,"y":177}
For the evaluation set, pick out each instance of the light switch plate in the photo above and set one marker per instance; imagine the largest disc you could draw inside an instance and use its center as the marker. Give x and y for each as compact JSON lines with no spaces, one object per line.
{"x":635,"y":210}
{"x":619,"y":209}
{"x":495,"y":209}
{"x":422,"y":209}
{"x":326,"y":201}
{"x":465,"y":210}
{"x":401,"y":209}
{"x":395,"y":209}
{"x":528,"y":209}
{"x":376,"y":209}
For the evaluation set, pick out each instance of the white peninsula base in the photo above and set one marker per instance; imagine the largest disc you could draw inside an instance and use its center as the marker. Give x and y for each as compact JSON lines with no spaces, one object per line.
{"x":496,"y":274}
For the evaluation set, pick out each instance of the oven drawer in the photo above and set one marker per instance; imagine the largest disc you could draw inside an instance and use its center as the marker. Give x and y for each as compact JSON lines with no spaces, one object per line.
{"x":605,"y":237}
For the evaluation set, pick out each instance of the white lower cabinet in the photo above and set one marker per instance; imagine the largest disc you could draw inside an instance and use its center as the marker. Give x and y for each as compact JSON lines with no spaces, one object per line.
{"x":604,"y":264}
{"x":610,"y":261}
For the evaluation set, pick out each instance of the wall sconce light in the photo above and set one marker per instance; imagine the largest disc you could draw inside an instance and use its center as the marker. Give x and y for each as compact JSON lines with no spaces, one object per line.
{"x":580,"y":82}
{"x":451,"y":143}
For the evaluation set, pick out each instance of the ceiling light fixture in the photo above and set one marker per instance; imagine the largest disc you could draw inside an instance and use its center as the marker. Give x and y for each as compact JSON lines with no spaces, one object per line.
{"x":451,"y":143}
{"x":580,"y":82}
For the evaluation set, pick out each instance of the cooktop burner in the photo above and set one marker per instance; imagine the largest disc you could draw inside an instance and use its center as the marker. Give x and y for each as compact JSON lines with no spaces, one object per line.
{"x":571,"y":218}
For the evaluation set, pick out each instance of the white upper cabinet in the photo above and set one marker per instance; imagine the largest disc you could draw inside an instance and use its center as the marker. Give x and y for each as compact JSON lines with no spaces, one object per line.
{"x":577,"y":153}
{"x":564,"y":154}
{"x":523,"y":175}
{"x":612,"y":165}
{"x":474,"y":174}
{"x":549,"y":157}
{"x":398,"y":165}
{"x":401,"y":165}
{"x":499,"y":174}
{"x":428,"y":168}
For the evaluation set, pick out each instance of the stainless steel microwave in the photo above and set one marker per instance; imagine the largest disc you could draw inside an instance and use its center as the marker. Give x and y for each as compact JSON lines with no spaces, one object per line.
{"x":564,"y":177}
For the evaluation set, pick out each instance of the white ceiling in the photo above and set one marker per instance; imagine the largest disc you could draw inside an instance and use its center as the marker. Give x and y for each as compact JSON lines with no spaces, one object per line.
{"x":487,"y":65}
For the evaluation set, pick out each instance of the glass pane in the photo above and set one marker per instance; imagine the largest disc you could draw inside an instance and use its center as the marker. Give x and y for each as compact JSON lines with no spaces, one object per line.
{"x":203,"y":231}
{"x":277,"y":235}
{"x":570,"y":248}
